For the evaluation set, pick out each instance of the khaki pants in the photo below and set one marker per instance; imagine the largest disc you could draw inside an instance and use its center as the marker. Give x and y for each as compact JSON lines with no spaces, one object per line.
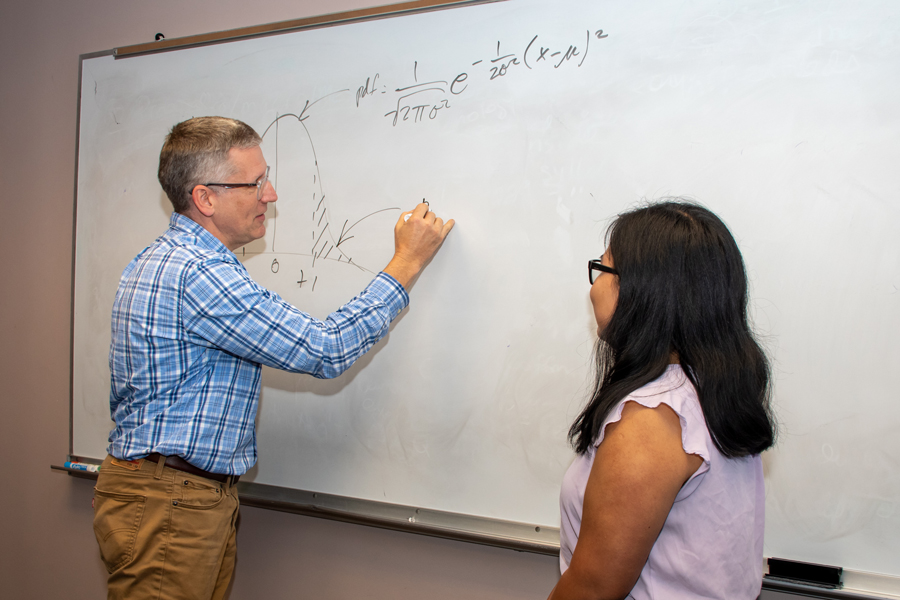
{"x":164,"y":534}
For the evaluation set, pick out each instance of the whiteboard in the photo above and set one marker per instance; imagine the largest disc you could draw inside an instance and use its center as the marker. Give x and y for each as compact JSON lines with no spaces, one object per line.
{"x":533,"y":124}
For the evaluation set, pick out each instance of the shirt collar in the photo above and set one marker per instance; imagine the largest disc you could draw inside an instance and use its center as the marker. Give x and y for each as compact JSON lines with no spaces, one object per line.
{"x":205,"y":239}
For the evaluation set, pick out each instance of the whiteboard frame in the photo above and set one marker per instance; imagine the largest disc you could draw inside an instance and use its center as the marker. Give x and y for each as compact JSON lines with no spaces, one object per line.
{"x":456,"y":526}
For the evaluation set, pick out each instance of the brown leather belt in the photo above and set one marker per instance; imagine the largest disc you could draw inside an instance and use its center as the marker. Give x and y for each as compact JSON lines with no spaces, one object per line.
{"x":179,"y":464}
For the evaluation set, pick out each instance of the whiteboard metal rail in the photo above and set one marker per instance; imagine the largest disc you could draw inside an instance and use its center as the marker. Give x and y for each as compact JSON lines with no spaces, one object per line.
{"x":436,"y":523}
{"x":465,"y":528}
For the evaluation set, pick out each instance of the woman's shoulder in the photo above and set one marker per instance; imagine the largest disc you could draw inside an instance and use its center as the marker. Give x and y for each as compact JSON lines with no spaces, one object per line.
{"x":674,"y":390}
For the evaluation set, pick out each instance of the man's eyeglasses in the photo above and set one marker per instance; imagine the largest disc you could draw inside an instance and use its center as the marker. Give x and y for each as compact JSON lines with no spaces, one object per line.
{"x":259,"y":185}
{"x":595,"y":267}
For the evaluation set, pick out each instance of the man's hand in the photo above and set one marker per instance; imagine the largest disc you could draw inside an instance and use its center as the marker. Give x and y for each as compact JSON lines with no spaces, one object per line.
{"x":417,"y":237}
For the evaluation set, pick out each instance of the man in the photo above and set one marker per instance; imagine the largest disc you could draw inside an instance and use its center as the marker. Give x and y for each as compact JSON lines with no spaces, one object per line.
{"x":190,"y":331}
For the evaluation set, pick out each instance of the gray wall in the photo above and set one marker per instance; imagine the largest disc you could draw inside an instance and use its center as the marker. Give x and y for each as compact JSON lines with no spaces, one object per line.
{"x":47,"y":549}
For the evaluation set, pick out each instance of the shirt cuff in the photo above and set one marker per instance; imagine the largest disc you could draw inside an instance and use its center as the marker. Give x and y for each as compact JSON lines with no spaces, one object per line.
{"x":390,"y":292}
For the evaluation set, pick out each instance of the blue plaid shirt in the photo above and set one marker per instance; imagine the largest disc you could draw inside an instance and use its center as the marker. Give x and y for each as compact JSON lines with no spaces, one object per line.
{"x":190,"y":330}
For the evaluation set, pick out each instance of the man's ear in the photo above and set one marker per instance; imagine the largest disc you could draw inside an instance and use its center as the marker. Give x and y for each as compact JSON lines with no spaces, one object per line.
{"x":203,"y":199}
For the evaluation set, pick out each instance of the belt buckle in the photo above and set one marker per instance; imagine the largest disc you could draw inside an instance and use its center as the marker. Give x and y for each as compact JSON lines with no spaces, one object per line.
{"x":131,"y":465}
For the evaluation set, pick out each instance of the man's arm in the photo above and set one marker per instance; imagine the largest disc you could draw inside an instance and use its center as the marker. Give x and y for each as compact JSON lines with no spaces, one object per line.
{"x":226,"y":308}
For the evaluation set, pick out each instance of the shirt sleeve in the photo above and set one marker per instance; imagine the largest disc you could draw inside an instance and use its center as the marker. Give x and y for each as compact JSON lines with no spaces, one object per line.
{"x":224,"y":307}
{"x":677,"y":393}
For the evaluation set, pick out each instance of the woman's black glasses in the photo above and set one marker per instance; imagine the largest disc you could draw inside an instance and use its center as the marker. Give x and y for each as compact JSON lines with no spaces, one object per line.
{"x":595,"y":267}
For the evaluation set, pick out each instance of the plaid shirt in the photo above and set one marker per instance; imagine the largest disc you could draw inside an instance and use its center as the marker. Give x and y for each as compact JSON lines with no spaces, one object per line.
{"x":190,"y":330}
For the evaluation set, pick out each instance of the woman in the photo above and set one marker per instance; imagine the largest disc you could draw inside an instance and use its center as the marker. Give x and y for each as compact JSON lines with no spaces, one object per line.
{"x":665,"y":499}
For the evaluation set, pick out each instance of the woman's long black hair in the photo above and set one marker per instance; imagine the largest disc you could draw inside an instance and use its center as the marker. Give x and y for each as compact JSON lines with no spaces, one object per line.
{"x":682,"y":289}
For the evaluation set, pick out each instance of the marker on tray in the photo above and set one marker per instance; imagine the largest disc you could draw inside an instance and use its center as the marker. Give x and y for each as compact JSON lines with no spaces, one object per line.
{"x":78,"y":466}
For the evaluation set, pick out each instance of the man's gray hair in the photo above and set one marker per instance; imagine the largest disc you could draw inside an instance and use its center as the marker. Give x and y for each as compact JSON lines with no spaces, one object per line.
{"x":196,"y":152}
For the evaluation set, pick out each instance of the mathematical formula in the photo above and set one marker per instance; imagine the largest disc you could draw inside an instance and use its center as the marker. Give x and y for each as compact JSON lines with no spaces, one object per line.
{"x":417,"y":101}
{"x":406,"y":104}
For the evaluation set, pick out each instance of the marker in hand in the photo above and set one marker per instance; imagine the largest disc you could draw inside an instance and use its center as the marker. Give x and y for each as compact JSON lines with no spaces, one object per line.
{"x":406,"y":218}
{"x":415,"y":242}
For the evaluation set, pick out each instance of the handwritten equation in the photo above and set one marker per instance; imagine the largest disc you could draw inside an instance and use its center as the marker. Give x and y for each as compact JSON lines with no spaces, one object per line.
{"x":417,"y":102}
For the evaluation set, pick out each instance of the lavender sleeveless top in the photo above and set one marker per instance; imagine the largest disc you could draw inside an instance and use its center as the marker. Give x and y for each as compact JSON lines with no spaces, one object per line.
{"x":711,"y":545}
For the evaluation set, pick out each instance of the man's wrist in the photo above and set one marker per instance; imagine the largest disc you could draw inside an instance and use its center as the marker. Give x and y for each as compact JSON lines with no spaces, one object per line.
{"x":403,"y":270}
